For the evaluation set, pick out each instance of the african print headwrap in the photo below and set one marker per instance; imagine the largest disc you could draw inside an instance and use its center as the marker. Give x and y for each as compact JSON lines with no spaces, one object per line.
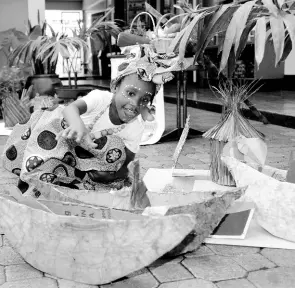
{"x":150,"y":66}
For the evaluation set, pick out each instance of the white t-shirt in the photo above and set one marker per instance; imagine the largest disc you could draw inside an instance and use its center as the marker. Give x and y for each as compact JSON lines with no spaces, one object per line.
{"x":98,"y":100}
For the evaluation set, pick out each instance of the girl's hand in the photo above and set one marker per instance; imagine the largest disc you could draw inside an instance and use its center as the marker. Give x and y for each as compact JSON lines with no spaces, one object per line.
{"x":148,"y":112}
{"x":77,"y":133}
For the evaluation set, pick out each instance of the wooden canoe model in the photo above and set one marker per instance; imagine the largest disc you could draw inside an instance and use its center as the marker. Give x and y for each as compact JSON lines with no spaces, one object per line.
{"x":275,"y":200}
{"x":88,"y":250}
{"x":208,"y":208}
{"x":207,"y":214}
{"x":278,"y":174}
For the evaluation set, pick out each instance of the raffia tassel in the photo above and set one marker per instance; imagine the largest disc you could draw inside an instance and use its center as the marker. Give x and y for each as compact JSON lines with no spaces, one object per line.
{"x":219,"y":172}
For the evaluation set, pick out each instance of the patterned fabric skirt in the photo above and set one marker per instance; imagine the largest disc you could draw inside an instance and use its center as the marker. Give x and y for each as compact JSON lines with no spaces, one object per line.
{"x":33,"y":153}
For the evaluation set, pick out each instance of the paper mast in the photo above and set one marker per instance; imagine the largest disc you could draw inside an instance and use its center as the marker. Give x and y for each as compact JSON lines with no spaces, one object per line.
{"x":291,"y":171}
{"x":181,"y":142}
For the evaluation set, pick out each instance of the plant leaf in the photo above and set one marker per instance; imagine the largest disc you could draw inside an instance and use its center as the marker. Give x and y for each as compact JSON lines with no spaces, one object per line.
{"x":187,"y":34}
{"x":260,"y":39}
{"x":214,"y":26}
{"x":243,"y":14}
{"x":278,"y":35}
{"x":287,"y":48}
{"x":174,"y":44}
{"x":36,"y":32}
{"x":272,"y":8}
{"x":281,"y":3}
{"x":231,"y":63}
{"x":229,"y":40}
{"x":289,"y":20}
{"x":244,"y":38}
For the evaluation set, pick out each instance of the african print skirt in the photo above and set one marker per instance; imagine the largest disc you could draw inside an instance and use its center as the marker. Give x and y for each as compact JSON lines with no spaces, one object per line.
{"x":33,"y":153}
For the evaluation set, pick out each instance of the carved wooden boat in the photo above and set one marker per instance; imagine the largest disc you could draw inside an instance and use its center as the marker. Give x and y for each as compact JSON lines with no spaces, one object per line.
{"x":208,"y":214}
{"x":207,"y":205}
{"x":275,"y":200}
{"x":119,"y":199}
{"x":92,"y":251}
{"x":275,"y":173}
{"x":278,"y":174}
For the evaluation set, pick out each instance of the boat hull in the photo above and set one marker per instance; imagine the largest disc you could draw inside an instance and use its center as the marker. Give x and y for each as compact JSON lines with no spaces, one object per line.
{"x":274,"y":200}
{"x":86,"y":250}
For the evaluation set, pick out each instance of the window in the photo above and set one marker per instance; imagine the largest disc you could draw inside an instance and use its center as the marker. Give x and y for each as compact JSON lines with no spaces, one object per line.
{"x":64,"y":22}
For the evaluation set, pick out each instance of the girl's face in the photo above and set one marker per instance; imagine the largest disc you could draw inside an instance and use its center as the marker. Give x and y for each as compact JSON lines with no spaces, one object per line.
{"x":132,"y":96}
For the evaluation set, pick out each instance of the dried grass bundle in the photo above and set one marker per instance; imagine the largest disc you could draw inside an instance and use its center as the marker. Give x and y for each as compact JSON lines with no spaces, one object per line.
{"x":231,"y":125}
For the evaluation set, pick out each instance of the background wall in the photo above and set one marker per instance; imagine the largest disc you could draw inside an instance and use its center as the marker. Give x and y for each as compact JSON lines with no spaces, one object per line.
{"x":63,"y":5}
{"x":33,"y":7}
{"x":290,"y":63}
{"x":95,"y":5}
{"x":14,"y":14}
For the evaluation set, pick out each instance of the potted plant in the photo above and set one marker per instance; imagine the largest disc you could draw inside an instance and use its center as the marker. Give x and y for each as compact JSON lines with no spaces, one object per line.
{"x":84,"y":42}
{"x":68,"y":48}
{"x":44,"y":79}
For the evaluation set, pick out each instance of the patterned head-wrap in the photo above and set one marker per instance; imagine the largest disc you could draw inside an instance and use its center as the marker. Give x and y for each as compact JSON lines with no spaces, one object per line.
{"x":150,"y":66}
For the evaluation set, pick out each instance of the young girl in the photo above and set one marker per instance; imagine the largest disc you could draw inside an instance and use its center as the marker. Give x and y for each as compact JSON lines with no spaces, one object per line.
{"x":88,"y":144}
{"x":117,"y":116}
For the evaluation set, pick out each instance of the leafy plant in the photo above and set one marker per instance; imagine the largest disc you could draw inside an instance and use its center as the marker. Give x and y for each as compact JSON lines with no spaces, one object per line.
{"x":28,"y":51}
{"x":66,"y":47}
{"x":94,"y":38}
{"x":273,"y":20}
{"x":99,"y":32}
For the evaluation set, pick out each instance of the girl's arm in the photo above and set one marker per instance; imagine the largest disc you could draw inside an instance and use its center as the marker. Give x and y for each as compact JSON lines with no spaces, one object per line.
{"x":76,"y":128}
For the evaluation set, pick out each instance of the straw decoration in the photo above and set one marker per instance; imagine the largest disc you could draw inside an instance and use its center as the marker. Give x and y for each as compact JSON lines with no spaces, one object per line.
{"x":233,"y":123}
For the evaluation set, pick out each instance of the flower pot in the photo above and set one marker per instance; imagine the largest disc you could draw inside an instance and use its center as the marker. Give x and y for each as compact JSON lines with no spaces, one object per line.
{"x":44,"y":84}
{"x":72,"y":93}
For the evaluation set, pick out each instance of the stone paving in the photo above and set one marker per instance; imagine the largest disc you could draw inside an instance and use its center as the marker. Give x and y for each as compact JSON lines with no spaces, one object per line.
{"x":212,"y":266}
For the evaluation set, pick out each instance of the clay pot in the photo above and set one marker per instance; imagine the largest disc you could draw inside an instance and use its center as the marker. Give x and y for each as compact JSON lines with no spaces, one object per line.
{"x":44,"y":84}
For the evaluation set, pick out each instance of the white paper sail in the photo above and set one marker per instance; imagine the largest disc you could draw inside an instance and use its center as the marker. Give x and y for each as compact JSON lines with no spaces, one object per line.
{"x":253,"y":151}
{"x":180,"y":144}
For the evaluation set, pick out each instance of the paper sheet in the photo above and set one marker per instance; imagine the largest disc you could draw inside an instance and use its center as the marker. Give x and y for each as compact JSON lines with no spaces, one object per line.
{"x":256,"y":236}
{"x":3,"y":130}
{"x":249,"y":150}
